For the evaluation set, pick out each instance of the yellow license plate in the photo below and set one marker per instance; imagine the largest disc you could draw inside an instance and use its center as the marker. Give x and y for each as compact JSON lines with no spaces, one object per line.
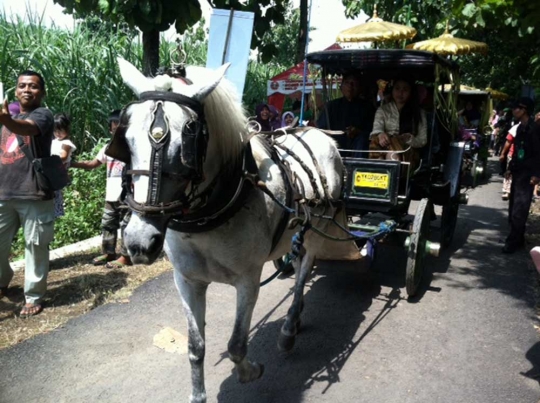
{"x":371,"y":180}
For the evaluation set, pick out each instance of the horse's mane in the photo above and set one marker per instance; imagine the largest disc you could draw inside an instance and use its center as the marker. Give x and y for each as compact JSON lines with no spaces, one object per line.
{"x":225,"y":117}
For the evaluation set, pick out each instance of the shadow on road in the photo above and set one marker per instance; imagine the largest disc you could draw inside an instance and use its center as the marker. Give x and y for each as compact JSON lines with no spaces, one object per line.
{"x":335,"y":302}
{"x":533,"y":355}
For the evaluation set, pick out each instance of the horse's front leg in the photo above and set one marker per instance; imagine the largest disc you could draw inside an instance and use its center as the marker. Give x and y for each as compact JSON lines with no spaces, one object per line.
{"x":289,"y":329}
{"x":247,"y":291}
{"x":194,"y":301}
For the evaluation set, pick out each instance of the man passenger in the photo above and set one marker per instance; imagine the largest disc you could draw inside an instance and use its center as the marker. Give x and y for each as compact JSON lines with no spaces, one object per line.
{"x":350,"y":114}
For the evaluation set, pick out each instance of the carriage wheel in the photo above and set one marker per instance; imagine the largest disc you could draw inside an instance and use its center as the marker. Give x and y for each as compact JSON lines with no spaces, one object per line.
{"x":474,"y":173}
{"x":448,"y":222}
{"x":417,"y":245}
{"x":484,"y":174}
{"x":278,"y":263}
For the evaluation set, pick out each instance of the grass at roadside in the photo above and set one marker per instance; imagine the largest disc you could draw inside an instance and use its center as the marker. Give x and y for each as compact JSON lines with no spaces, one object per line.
{"x":74,"y":288}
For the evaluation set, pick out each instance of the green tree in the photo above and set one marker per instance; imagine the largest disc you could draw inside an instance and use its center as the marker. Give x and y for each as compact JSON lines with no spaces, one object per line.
{"x":285,"y":38}
{"x":154,"y":16}
{"x":507,"y":26}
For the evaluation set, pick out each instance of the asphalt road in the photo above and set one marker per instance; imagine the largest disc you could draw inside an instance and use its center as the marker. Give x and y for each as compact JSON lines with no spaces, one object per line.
{"x":469,"y":337}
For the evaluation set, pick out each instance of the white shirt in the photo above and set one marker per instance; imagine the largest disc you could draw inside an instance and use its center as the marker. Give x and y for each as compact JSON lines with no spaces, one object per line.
{"x":56,"y":148}
{"x":114,"y":175}
{"x":513,"y":130}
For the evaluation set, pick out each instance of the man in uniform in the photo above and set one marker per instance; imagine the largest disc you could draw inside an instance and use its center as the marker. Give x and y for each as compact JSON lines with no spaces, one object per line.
{"x":525,"y":171}
{"x":22,"y":202}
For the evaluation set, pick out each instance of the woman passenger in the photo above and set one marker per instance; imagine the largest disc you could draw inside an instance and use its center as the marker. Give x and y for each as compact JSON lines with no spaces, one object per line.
{"x":400,"y":125}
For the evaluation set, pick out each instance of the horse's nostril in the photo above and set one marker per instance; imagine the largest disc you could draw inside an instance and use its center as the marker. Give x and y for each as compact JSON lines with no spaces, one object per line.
{"x":155,"y":244}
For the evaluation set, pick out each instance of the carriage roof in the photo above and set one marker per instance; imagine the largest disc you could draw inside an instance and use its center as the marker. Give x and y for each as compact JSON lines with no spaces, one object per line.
{"x":389,"y":62}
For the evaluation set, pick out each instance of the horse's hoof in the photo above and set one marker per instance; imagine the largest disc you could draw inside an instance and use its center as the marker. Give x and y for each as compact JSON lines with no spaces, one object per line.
{"x":285,"y":342}
{"x":201,"y":398}
{"x":256,"y":372}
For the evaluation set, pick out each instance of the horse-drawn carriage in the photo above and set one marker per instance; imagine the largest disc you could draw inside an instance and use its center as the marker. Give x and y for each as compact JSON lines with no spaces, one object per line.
{"x":378,"y":192}
{"x":476,"y":134}
{"x":215,"y":196}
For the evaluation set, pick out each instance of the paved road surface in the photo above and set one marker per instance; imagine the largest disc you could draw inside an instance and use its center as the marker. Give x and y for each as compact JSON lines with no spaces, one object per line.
{"x":469,"y":337}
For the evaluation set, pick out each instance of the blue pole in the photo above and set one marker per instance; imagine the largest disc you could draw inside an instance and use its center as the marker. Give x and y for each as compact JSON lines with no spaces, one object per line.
{"x":301,"y":120}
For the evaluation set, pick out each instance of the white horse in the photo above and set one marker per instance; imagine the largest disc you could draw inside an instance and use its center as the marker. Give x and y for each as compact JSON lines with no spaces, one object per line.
{"x":164,"y":180}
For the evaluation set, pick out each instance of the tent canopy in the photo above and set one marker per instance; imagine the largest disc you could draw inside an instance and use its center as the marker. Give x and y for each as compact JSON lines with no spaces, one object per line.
{"x":290,"y":82}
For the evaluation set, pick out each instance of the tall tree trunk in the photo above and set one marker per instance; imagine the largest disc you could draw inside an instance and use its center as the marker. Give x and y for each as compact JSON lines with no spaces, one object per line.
{"x":150,"y":52}
{"x":303,"y":34}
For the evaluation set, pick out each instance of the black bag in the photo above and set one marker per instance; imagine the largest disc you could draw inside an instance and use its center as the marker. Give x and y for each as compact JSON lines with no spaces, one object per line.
{"x":51,"y":173}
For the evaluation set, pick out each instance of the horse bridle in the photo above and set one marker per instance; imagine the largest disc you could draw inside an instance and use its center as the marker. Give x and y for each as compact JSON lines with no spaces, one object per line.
{"x":193,"y":153}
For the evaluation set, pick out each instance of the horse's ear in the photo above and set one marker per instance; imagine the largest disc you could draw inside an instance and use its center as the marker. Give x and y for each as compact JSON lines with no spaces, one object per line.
{"x":133,"y":78}
{"x":202,"y":92}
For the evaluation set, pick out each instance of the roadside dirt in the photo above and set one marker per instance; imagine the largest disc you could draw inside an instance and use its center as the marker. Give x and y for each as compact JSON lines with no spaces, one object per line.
{"x":74,"y":288}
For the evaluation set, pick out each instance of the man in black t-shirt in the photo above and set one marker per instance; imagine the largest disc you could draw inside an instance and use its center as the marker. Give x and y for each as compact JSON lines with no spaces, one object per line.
{"x":22,"y":202}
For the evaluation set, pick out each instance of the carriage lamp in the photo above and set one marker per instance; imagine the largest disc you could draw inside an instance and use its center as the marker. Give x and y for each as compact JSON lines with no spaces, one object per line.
{"x":463,"y":198}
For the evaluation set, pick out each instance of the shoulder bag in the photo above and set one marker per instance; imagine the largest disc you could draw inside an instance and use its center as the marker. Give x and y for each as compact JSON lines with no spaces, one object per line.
{"x":51,"y":173}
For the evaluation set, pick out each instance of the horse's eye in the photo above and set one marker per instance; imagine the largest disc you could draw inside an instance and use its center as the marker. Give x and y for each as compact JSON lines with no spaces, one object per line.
{"x":192,"y":127}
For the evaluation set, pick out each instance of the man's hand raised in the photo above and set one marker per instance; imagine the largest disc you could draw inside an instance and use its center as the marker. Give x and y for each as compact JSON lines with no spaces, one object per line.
{"x":5,"y":116}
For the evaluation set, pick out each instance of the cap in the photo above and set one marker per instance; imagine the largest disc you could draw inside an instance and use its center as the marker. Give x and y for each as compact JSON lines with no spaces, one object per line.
{"x":525,"y":103}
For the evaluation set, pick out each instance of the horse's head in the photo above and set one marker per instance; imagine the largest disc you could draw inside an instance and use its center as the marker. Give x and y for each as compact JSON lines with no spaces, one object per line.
{"x":174,"y":140}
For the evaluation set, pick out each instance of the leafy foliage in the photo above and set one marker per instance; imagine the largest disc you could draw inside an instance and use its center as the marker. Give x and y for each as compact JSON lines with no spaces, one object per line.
{"x":507,"y":26}
{"x":284,"y":37}
{"x":80,"y":69}
{"x":152,"y":16}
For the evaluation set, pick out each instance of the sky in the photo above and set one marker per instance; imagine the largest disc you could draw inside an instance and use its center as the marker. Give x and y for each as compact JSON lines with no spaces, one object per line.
{"x":327,"y":16}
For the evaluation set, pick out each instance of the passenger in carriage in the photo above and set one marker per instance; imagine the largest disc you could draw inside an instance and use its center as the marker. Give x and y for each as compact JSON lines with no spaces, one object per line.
{"x":351,"y":114}
{"x":400,"y":125}
{"x":470,"y":116}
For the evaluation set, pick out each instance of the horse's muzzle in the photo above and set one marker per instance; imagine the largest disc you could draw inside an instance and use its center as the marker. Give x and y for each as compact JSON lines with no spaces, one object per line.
{"x":144,"y":239}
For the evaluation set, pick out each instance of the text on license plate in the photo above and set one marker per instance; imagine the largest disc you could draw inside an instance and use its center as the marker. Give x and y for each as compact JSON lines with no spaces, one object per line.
{"x":371,"y":180}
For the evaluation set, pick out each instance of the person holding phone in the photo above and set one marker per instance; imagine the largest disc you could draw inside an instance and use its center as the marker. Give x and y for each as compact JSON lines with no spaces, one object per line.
{"x":22,"y":202}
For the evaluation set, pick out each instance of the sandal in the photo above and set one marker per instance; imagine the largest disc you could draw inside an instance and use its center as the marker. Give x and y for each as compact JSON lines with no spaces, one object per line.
{"x":103,"y":259}
{"x":30,"y":309}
